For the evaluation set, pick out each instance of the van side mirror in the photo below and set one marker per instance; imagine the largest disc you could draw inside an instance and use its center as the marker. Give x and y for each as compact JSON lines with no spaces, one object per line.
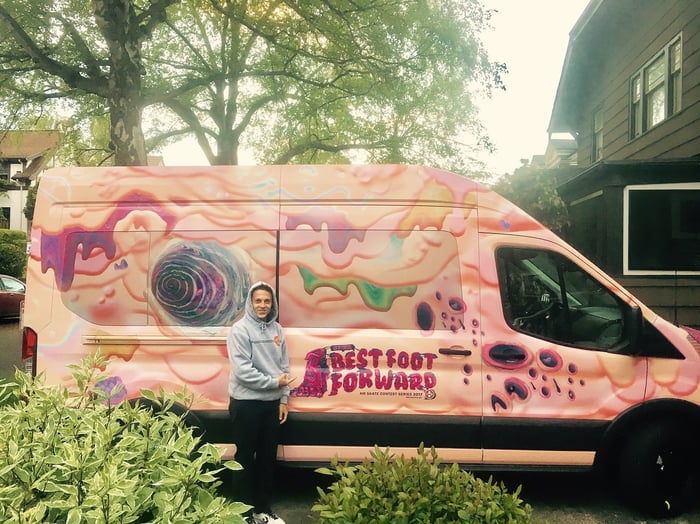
{"x":633,"y":327}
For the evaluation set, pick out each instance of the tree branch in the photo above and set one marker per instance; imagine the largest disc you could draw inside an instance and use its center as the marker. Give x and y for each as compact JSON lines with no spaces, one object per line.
{"x":70,"y":75}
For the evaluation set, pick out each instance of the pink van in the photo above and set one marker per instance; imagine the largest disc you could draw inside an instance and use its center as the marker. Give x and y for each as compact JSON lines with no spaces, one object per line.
{"x":419,"y":306}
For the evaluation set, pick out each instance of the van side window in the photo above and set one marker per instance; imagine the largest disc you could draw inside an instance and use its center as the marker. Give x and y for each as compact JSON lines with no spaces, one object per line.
{"x":546,"y":295}
{"x":364,"y":279}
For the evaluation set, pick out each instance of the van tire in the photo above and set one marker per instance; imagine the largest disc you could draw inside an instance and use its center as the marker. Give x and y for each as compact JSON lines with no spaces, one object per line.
{"x":658,"y":469}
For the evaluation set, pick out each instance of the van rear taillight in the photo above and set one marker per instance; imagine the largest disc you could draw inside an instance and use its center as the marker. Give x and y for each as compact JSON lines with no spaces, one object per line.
{"x":29,"y":346}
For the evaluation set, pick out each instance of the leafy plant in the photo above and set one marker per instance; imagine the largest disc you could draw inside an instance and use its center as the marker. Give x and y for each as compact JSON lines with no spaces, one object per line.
{"x":534,"y":190}
{"x":31,"y":201}
{"x":13,"y":252}
{"x":418,"y":490}
{"x":13,"y":260}
{"x":79,"y":456}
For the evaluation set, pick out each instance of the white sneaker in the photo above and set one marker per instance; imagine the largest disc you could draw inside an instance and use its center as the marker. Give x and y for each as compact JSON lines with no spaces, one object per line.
{"x":267,"y":518}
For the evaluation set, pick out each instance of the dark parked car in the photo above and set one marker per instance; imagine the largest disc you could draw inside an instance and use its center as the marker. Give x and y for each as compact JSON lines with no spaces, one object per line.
{"x":11,"y":295}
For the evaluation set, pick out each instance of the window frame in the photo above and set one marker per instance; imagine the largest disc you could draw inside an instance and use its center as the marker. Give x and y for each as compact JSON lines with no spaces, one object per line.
{"x":5,"y":217}
{"x":695,"y":186}
{"x":597,"y":141}
{"x":642,"y":93}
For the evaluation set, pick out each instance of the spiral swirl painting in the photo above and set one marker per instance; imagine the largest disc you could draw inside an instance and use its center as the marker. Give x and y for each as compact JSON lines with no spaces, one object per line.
{"x":198,"y":284}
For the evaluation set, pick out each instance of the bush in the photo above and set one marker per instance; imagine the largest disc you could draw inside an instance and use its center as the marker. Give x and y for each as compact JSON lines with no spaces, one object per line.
{"x":13,"y":252}
{"x":77,"y":457}
{"x":13,"y":260}
{"x":12,"y":236}
{"x":419,"y":490}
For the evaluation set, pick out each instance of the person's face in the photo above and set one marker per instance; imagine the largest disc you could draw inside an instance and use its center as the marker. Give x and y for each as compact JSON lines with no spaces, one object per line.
{"x":262,"y":302}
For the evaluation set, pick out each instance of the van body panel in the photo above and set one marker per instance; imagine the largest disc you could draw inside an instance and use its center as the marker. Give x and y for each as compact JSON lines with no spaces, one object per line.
{"x":403,"y":294}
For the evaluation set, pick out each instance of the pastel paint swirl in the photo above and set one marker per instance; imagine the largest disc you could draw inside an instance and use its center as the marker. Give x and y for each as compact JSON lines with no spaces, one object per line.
{"x":199,"y":284}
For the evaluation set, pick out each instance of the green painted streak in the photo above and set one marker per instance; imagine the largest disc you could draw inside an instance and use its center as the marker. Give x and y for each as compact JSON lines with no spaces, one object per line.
{"x":376,"y":297}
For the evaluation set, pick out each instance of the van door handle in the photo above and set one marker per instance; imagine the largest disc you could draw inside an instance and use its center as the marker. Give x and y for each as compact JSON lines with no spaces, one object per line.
{"x":452,"y":351}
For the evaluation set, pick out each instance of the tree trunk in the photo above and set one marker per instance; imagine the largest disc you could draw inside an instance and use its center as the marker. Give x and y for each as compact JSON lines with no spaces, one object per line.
{"x":126,"y":132}
{"x":120,"y":27}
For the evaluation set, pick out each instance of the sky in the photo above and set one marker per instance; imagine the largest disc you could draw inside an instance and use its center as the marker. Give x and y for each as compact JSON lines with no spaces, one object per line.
{"x":531,"y":37}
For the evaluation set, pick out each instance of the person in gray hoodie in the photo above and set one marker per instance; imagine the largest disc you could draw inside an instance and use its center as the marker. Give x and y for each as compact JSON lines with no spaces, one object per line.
{"x":258,"y":390}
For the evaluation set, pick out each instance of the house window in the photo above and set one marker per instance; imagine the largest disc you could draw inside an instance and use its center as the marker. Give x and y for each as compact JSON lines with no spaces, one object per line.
{"x":655,"y":90}
{"x":588,"y":223}
{"x":598,"y":135}
{"x":5,"y":217}
{"x":674,"y":66}
{"x":636,"y":110}
{"x":662,"y":229}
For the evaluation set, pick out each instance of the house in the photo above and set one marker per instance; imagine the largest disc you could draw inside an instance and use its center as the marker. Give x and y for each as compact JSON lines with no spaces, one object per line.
{"x":23,"y":155}
{"x":629,"y":94}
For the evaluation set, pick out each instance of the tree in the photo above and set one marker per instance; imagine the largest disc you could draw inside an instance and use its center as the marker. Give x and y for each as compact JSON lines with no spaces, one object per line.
{"x":30,"y":203}
{"x":534,"y":190}
{"x":328,"y":81}
{"x":13,"y":252}
{"x":55,"y":50}
{"x":312,"y":81}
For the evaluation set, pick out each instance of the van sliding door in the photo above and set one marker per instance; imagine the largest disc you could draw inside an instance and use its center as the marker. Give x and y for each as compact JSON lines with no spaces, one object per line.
{"x":382,"y":331}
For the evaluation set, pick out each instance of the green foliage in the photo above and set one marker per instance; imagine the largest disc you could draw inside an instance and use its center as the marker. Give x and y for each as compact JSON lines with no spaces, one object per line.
{"x":534,"y":190}
{"x":419,"y":490}
{"x":74,"y":456}
{"x":13,"y":252}
{"x":12,"y":236}
{"x":291,"y":82}
{"x":31,"y":201}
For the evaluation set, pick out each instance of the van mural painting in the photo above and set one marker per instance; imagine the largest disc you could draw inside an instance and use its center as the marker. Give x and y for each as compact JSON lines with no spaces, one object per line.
{"x":162,"y":251}
{"x":198,"y":284}
{"x":418,"y":306}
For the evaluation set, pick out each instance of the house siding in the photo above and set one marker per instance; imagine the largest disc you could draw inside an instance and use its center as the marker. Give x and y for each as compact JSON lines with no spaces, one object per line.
{"x":608,"y":46}
{"x":674,"y":299}
{"x":621,"y":56}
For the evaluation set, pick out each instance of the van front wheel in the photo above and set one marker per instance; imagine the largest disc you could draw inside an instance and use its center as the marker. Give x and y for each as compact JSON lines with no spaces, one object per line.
{"x":658,"y":469}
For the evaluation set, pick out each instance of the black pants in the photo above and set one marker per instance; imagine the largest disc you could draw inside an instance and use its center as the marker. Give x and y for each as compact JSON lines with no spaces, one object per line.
{"x":256,"y":431}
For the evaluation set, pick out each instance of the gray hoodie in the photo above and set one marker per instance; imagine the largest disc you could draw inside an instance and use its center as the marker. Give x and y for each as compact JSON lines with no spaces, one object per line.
{"x":257,"y":352}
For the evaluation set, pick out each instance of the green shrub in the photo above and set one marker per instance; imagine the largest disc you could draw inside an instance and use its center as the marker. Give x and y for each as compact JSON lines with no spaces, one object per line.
{"x":419,"y":490}
{"x":13,"y":236}
{"x":13,"y":260}
{"x":75,"y":457}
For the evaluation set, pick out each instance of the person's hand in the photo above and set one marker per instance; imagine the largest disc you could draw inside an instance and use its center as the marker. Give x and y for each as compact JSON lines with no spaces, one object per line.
{"x":285,"y":380}
{"x":283,"y":413}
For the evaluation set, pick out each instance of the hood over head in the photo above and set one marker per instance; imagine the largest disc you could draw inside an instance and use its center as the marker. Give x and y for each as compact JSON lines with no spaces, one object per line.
{"x":272,"y":315}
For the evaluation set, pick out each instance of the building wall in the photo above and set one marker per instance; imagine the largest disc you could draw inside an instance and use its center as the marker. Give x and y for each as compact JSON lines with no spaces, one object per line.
{"x":15,"y":199}
{"x":674,"y":299}
{"x":623,"y":37}
{"x":623,"y":52}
